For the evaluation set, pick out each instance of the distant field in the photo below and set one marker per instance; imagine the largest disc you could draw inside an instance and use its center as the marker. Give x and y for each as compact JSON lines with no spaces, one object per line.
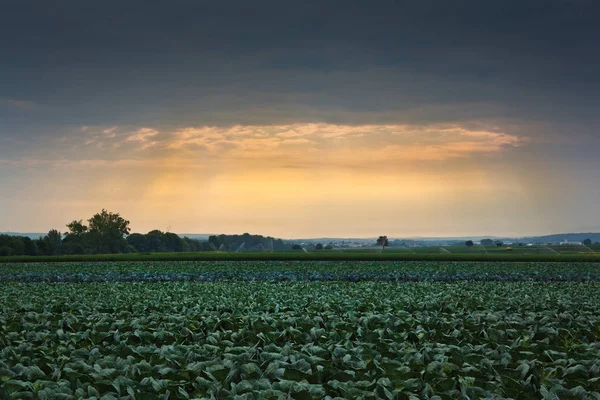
{"x":478,"y":249}
{"x":449,"y":253}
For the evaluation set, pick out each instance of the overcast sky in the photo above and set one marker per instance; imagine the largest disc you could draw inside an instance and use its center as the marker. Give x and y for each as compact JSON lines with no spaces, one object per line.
{"x":297,"y":119}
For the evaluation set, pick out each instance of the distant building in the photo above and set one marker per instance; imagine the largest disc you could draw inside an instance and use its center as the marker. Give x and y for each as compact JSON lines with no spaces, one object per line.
{"x":567,"y":243}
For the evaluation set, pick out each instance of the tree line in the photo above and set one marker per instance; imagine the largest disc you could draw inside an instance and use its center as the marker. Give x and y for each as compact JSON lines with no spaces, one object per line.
{"x":107,"y":232}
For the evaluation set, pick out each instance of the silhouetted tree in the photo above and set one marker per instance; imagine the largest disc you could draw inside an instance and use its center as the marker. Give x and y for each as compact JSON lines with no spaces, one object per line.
{"x":383,"y":242}
{"x":55,"y":241}
{"x":173,"y":242}
{"x":139,"y":242}
{"x":107,"y":231}
{"x":42,"y":246}
{"x":29,"y":247}
{"x":76,"y":228}
{"x":469,"y":243}
{"x":12,"y":245}
{"x":487,"y":242}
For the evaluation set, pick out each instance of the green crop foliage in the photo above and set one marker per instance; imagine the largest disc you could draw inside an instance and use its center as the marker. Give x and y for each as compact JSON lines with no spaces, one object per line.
{"x":421,"y":254}
{"x":299,"y":339}
{"x":308,"y":270}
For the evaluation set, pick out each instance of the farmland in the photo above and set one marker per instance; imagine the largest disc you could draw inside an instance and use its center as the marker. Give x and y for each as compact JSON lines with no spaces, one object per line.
{"x":299,"y":270}
{"x":300,"y":329}
{"x":453,"y":253}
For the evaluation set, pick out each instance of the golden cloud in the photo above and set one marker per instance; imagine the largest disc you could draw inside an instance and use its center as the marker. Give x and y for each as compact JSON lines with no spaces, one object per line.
{"x":301,"y":145}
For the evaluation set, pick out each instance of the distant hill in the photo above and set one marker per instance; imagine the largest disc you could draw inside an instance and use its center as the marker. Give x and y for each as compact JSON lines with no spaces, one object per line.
{"x":424,"y":241}
{"x":30,"y":235}
{"x":332,"y":240}
{"x":560,"y":237}
{"x":436,"y":241}
{"x":197,"y":236}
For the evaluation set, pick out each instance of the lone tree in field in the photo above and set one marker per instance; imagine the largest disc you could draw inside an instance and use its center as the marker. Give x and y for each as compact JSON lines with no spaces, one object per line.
{"x":469,"y":243}
{"x":319,"y":246}
{"x":383,"y":242}
{"x":587,"y":242}
{"x":487,"y":242}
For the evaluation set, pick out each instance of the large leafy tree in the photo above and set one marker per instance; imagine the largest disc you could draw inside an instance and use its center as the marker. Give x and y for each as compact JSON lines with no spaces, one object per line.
{"x":107,"y":231}
{"x":77,"y":239}
{"x":76,"y":228}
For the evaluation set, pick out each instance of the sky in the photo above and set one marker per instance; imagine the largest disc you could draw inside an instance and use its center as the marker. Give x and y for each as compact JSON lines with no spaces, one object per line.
{"x":302,"y":118}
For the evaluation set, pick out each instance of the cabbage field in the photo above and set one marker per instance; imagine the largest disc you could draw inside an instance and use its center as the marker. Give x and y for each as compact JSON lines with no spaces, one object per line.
{"x":347,"y":271}
{"x":300,"y":330}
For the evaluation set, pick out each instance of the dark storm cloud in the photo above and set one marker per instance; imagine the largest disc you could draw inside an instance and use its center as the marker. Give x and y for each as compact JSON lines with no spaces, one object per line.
{"x":256,"y":62}
{"x":492,"y":105}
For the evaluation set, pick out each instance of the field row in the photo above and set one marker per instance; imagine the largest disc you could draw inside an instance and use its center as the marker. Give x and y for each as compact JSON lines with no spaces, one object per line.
{"x":356,"y":271}
{"x":304,"y":340}
{"x":333,"y":255}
